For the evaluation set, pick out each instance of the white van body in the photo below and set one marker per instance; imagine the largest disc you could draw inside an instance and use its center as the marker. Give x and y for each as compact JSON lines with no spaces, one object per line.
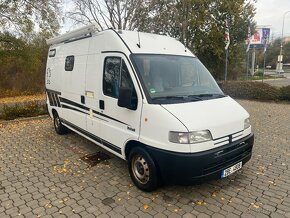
{"x":185,"y":138}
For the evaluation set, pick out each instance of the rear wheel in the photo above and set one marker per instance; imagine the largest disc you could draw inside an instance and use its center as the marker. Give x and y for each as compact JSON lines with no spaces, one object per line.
{"x":142,"y":169}
{"x":58,"y":126}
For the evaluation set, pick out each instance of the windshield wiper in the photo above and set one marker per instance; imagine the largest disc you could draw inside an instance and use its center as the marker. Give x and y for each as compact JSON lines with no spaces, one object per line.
{"x":169,"y":98}
{"x":184,"y":98}
{"x":208,"y":96}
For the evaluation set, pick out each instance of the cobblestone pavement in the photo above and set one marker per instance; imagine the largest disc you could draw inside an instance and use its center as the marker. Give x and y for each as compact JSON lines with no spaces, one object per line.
{"x":43,"y":174}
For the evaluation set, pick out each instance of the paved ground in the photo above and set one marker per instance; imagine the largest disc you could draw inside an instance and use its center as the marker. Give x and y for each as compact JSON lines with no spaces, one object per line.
{"x":43,"y":175}
{"x":279,"y":82}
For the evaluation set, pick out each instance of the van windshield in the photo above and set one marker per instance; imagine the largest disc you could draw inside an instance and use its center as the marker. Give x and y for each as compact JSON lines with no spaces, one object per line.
{"x":172,"y":79}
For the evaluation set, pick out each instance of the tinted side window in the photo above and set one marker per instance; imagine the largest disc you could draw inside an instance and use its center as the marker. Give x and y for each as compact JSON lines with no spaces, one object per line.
{"x":51,"y":52}
{"x":116,"y":75}
{"x":111,"y":79}
{"x":126,"y":80}
{"x":69,"y":63}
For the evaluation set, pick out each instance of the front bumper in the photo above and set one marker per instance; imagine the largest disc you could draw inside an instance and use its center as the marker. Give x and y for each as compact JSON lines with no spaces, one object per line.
{"x":188,"y":168}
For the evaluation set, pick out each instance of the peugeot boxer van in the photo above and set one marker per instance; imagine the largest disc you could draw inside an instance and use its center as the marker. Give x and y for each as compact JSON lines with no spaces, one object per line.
{"x":148,"y":100}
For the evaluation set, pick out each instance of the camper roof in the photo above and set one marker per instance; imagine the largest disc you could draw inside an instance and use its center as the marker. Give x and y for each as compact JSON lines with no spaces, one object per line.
{"x":139,"y":42}
{"x":136,"y":42}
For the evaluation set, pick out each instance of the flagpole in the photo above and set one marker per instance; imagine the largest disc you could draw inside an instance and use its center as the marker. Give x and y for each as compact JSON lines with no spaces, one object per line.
{"x":248,"y":58}
{"x":226,"y":69}
{"x":227,"y":42}
{"x":248,"y":49}
{"x":265,"y":49}
{"x":264,"y":66}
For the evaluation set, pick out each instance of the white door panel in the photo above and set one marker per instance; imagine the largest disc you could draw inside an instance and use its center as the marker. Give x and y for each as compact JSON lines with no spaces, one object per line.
{"x":119,"y":124}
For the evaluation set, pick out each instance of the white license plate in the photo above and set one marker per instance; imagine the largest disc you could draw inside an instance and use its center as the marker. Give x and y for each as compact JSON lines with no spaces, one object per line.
{"x":231,"y":170}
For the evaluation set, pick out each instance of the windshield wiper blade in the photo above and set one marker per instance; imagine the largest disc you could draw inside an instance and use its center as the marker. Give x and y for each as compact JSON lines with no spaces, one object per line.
{"x":169,"y":98}
{"x":209,"y":95}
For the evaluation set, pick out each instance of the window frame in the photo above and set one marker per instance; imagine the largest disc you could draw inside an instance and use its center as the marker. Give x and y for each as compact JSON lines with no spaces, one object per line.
{"x":66,"y":67}
{"x":52,"y":53}
{"x":104,"y":69}
{"x":120,"y":76}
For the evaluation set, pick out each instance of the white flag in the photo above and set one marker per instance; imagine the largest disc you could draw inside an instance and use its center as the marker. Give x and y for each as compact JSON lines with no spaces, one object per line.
{"x":227,"y":35}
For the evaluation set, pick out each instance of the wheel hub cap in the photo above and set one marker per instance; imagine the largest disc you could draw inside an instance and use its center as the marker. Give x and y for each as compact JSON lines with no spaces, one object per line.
{"x":140,"y":169}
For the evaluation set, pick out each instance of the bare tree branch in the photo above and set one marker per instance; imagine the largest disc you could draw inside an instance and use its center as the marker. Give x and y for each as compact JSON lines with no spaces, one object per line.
{"x":119,"y":14}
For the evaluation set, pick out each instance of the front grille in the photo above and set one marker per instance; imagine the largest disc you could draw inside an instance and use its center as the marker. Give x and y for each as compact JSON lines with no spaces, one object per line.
{"x":229,"y":155}
{"x":228,"y":139}
{"x":227,"y":161}
{"x":237,"y":136}
{"x":222,"y":141}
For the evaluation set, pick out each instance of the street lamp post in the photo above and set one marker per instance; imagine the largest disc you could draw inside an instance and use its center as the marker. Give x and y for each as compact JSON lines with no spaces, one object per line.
{"x":280,"y":58}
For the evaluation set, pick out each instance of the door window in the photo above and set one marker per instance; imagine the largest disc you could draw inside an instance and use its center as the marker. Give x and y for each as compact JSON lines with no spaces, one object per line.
{"x":116,"y":75}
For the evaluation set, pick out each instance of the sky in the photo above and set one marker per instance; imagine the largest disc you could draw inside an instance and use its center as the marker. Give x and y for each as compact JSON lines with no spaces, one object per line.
{"x":270,"y":12}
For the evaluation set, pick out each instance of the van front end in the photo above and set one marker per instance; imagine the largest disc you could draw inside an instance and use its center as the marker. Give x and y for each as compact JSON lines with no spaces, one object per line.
{"x":189,"y":128}
{"x":188,"y":168}
{"x":198,"y":141}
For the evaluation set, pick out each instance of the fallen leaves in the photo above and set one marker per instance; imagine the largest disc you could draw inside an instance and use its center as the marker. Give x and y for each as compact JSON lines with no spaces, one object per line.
{"x":261,"y":170}
{"x":48,"y":206}
{"x":256,"y":205}
{"x":199,"y":202}
{"x":146,"y":206}
{"x":62,"y":169}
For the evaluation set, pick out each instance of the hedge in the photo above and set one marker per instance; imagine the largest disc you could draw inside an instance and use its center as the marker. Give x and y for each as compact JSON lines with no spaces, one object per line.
{"x":28,"y":109}
{"x":255,"y":91}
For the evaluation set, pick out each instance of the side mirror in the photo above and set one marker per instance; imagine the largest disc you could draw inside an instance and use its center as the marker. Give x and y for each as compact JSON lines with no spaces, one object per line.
{"x":126,"y":99}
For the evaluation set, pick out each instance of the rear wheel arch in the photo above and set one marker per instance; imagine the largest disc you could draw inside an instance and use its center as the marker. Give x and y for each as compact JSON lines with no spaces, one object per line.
{"x":54,"y":112}
{"x":58,"y":125}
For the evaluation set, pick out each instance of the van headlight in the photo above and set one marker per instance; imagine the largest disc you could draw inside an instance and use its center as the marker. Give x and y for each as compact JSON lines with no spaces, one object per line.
{"x":247,"y":123}
{"x":190,"y":137}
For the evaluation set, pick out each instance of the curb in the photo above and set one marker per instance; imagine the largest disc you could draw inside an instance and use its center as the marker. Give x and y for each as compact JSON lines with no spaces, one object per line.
{"x":41,"y":117}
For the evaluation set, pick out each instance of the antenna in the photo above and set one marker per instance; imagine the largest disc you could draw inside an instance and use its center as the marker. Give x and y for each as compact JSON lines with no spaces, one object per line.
{"x":139,"y":44}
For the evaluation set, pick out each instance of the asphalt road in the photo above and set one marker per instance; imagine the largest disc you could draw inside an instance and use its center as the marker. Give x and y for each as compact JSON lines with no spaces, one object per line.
{"x":279,"y":82}
{"x":43,"y":174}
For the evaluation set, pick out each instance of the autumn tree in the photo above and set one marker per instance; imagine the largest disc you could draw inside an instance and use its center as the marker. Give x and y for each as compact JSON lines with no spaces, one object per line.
{"x":272,"y":53}
{"x":24,"y":26}
{"x":200,"y":25}
{"x":24,"y":16}
{"x":22,"y":62}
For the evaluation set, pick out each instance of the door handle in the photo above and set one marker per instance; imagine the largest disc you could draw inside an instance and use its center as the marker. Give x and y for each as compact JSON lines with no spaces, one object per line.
{"x":102,"y":104}
{"x":82,"y":99}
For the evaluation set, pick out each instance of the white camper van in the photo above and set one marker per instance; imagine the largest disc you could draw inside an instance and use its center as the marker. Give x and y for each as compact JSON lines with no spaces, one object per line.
{"x":148,"y":100}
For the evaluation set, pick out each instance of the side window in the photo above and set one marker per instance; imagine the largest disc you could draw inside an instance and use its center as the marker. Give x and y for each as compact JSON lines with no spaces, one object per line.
{"x":111,"y":78}
{"x":52,"y":52}
{"x":126,"y":81}
{"x":116,"y":75}
{"x":69,"y":63}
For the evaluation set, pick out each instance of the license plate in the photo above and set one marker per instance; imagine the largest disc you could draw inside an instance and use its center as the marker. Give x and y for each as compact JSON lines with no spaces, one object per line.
{"x":231,"y":170}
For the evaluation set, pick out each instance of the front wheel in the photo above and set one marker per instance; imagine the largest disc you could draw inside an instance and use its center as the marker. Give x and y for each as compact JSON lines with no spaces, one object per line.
{"x":58,"y":126}
{"x":142,"y":169}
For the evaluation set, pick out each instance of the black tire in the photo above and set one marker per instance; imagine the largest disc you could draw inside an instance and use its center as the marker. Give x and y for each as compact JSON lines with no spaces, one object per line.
{"x":58,"y":126}
{"x":142,"y":169}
